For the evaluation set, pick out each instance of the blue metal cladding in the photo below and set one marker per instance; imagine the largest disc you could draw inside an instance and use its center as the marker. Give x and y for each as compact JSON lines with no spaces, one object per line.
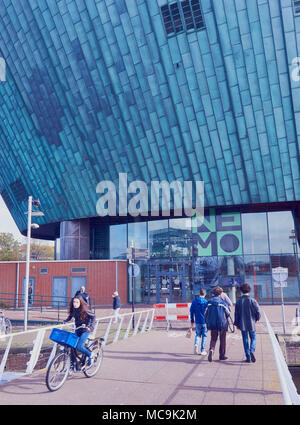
{"x":97,"y":88}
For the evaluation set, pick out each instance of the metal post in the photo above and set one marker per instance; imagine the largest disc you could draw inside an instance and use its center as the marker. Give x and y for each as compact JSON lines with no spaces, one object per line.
{"x":282,"y":308}
{"x":132,"y":286}
{"x":27,"y":262}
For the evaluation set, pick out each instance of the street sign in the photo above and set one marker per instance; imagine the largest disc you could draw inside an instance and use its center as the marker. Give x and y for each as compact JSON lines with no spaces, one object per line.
{"x":136,"y":270}
{"x":280,"y":275}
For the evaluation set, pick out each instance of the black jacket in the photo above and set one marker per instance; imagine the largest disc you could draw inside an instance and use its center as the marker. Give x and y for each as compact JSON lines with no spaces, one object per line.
{"x":89,"y":321}
{"x":246,"y":313}
{"x":84,"y":295}
{"x":116,"y":302}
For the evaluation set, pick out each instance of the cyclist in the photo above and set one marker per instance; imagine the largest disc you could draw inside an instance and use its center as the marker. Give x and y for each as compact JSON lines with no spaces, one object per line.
{"x":79,"y":309}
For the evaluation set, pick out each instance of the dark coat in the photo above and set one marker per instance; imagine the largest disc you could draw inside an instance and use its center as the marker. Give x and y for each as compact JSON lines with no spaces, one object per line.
{"x":84,"y":295}
{"x":246,"y":314}
{"x":216,"y":314}
{"x":89,"y":321}
{"x":116,"y":302}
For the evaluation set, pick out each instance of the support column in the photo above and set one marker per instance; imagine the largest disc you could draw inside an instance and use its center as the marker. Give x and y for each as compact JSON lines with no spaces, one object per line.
{"x":75,"y":240}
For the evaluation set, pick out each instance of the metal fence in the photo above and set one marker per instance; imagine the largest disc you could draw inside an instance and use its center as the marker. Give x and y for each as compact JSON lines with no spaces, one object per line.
{"x":32,"y":341}
{"x":37,"y":302}
{"x":287,"y":385}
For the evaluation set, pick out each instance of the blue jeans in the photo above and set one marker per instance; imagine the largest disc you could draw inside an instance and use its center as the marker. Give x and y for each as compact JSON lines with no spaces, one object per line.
{"x":80,"y":345}
{"x":201,"y":332}
{"x":245,"y":336}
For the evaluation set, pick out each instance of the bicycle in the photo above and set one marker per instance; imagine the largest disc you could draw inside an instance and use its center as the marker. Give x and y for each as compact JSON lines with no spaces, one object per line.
{"x":61,"y":366}
{"x":5,"y":324}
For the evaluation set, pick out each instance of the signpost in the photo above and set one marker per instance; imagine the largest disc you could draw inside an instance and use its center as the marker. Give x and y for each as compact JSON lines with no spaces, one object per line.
{"x":134,"y":269}
{"x":280,"y":275}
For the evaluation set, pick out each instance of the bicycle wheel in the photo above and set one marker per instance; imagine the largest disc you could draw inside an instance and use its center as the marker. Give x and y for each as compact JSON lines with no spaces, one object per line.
{"x":230,"y":324}
{"x":97,"y":357}
{"x":8,"y":326}
{"x":58,"y":371}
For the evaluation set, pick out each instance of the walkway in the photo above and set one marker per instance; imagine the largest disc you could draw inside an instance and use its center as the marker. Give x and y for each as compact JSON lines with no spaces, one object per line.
{"x":158,"y":368}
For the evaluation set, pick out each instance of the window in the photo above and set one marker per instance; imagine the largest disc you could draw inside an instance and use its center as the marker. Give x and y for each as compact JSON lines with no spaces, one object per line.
{"x":43,"y":270}
{"x":255,"y":233}
{"x":182,"y":16}
{"x":297,"y":7}
{"x":118,"y":241}
{"x":78,"y":270}
{"x":137,"y":233}
{"x":281,"y":230}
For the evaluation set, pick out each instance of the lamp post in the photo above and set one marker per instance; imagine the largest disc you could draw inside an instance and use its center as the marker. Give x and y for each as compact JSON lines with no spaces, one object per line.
{"x":30,"y":213}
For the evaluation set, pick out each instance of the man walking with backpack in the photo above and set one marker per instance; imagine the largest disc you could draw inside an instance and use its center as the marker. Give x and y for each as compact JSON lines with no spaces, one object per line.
{"x":216,"y":315}
{"x":246,"y":315}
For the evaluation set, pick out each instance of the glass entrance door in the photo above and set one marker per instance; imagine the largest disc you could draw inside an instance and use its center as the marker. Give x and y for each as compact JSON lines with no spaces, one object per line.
{"x":169,"y":281}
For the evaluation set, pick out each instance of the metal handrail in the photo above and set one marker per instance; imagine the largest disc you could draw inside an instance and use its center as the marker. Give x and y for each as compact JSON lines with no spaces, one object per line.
{"x":291,"y":397}
{"x":40,"y":336}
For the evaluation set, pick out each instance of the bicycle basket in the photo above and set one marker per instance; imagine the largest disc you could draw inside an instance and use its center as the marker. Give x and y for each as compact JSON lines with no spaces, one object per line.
{"x":64,"y":337}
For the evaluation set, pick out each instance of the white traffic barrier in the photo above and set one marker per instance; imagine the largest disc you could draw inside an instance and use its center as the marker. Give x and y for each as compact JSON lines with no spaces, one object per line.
{"x":171,"y":312}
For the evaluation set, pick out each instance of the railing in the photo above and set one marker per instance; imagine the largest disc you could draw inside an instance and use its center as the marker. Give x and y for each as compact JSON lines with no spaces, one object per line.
{"x":40,"y":302}
{"x":287,"y":385}
{"x":104,"y":328}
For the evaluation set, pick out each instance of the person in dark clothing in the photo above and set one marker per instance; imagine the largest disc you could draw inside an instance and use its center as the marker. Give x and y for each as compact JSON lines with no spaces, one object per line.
{"x":83,"y":294}
{"x":246,"y":314}
{"x":216,"y":315}
{"x":116,"y":305}
{"x":197,"y":310}
{"x":79,"y":310}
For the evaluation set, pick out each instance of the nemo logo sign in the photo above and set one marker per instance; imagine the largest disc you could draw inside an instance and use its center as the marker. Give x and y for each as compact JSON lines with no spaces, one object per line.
{"x":219,"y":234}
{"x":2,"y":70}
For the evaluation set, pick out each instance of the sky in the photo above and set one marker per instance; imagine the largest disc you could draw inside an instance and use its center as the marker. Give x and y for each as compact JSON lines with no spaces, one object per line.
{"x":7,"y":224}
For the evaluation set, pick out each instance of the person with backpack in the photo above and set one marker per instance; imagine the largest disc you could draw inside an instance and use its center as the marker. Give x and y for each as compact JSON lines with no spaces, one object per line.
{"x":216,"y":316}
{"x":197,"y":310}
{"x":246,"y":314}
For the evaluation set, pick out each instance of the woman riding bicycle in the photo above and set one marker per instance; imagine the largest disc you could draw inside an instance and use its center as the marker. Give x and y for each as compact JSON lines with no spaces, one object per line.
{"x":79,"y":309}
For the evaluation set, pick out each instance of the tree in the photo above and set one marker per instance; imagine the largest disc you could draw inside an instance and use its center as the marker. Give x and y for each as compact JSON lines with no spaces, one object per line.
{"x":38,"y":251}
{"x":9,"y":248}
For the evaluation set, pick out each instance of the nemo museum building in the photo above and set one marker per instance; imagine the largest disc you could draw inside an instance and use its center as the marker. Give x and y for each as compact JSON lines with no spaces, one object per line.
{"x":101,"y":100}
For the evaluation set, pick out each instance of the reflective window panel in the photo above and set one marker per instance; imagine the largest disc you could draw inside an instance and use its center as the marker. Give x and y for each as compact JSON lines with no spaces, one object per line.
{"x":118,"y":241}
{"x":158,"y":238}
{"x":258,"y":275}
{"x":291,"y":287}
{"x":255,"y":233}
{"x":281,"y":227}
{"x":137,"y":232}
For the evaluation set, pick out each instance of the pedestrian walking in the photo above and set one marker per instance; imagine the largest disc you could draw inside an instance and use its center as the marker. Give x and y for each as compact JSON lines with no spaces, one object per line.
{"x":30,"y":291}
{"x":116,"y":305}
{"x":197,"y":311}
{"x":216,"y":315}
{"x":225,"y":298}
{"x":247,"y":313}
{"x":82,"y":292}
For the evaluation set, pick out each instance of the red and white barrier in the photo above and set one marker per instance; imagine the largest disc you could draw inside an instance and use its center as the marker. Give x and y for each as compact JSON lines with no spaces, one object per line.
{"x":174,"y":315}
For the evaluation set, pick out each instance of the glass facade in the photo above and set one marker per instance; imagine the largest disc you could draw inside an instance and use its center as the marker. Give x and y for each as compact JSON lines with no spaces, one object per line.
{"x":225,"y":248}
